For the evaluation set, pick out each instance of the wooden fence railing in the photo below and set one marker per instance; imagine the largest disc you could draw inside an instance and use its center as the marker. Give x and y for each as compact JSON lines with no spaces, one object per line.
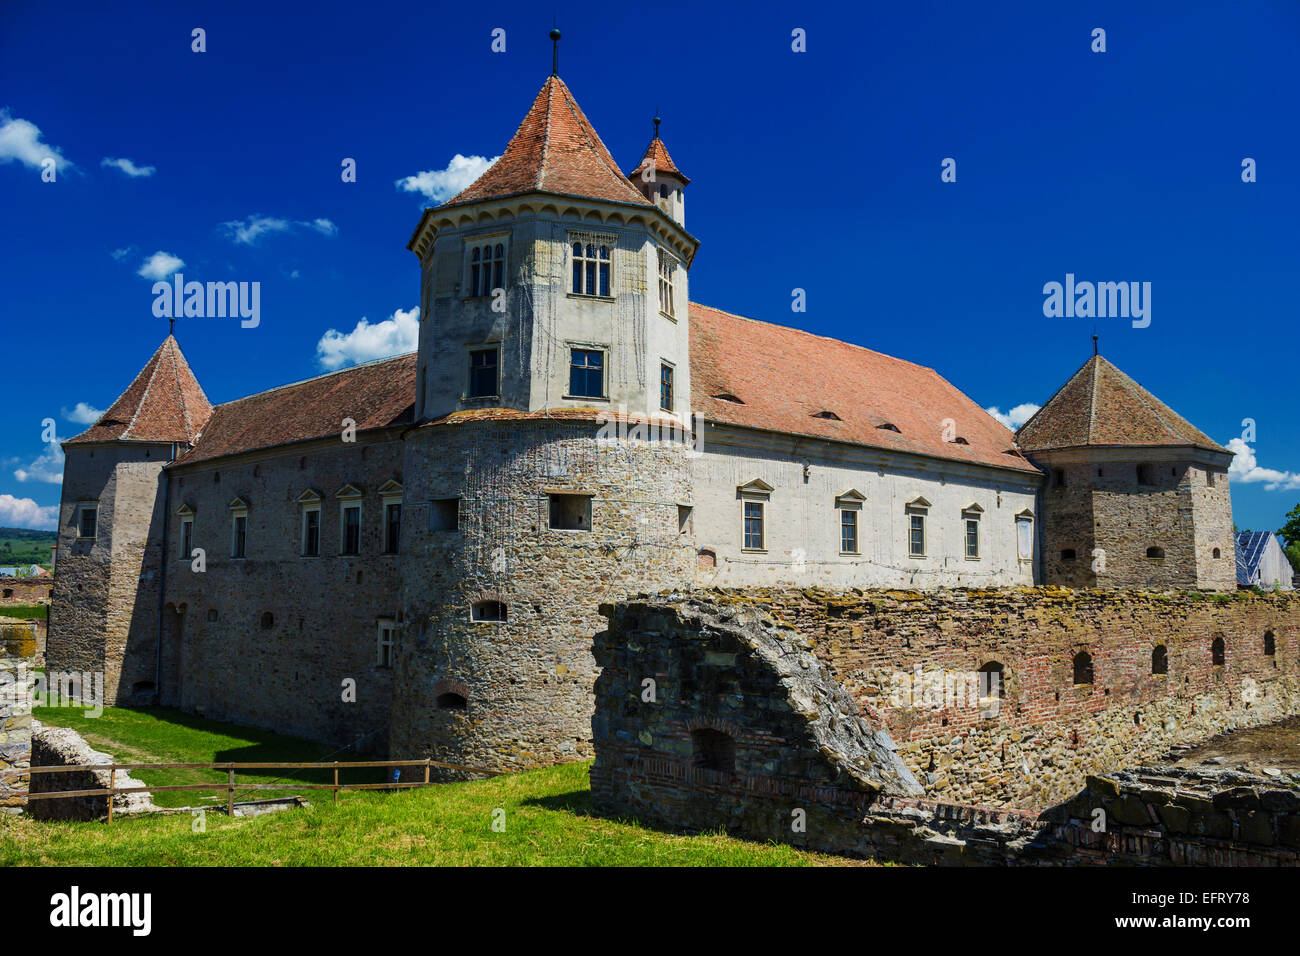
{"x":230,"y":785}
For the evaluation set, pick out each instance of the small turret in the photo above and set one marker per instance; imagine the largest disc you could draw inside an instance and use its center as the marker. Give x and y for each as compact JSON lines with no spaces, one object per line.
{"x":659,"y":179}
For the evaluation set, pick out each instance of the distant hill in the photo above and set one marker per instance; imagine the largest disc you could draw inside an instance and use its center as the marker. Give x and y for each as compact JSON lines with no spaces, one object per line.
{"x":19,"y":546}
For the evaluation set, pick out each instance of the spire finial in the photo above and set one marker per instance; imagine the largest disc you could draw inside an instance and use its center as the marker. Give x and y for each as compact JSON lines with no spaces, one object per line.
{"x":1094,"y":343}
{"x":171,"y":326}
{"x":658,"y":120}
{"x":555,"y":51}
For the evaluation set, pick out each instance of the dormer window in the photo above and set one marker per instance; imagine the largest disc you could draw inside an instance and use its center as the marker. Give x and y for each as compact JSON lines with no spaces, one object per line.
{"x":591,"y":262}
{"x":889,"y":427}
{"x":829,"y":416}
{"x":486,"y":268}
{"x":728,"y":397}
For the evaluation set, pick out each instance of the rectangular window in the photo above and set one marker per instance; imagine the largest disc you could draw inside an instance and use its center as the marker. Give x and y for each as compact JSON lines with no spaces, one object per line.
{"x":444,"y":514}
{"x":916,"y":535}
{"x":87,"y":521}
{"x":384,"y":644}
{"x":1209,"y":477}
{"x":187,"y":538}
{"x":486,"y":268}
{"x":392,"y":526}
{"x":684,"y":515}
{"x":666,"y":269}
{"x":1058,"y":477}
{"x":591,"y":268}
{"x":570,"y":512}
{"x":239,"y":536}
{"x":483,"y":368}
{"x":848,"y":531}
{"x":1025,"y":538}
{"x":311,"y":532}
{"x":753,"y":526}
{"x":972,"y":538}
{"x":587,"y":373}
{"x":351,"y":529}
{"x":1144,"y":475}
{"x":666,"y":387}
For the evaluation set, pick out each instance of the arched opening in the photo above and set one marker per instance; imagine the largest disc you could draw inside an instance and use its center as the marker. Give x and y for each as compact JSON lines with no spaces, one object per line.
{"x":991,"y":680}
{"x":1160,"y":660}
{"x":268,"y":621}
{"x":707,"y":558}
{"x":713,"y":750}
{"x":451,"y":701}
{"x":1217,"y":553}
{"x":1218,"y":653}
{"x":1083,"y":668}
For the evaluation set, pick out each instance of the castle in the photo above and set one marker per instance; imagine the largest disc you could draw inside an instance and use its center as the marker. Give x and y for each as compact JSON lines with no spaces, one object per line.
{"x":408,"y":556}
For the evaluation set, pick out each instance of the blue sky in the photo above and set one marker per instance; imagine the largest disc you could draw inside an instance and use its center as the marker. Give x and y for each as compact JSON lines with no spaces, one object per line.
{"x":817,"y":170}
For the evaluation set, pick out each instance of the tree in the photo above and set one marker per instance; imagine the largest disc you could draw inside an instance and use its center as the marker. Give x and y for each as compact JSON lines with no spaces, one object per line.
{"x":1293,"y":555}
{"x":1291,"y":530}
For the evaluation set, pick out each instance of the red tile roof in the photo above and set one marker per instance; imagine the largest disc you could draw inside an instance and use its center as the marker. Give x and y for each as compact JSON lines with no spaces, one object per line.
{"x":785,"y":378}
{"x":163,"y":404}
{"x":1100,"y":405}
{"x":555,"y":150}
{"x":663,"y":162}
{"x":373,"y":395}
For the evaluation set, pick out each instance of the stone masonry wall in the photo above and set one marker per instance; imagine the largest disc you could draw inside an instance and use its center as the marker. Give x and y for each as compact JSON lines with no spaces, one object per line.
{"x":712,"y":714}
{"x":911,"y":660}
{"x":17,"y":656}
{"x":524,"y":684}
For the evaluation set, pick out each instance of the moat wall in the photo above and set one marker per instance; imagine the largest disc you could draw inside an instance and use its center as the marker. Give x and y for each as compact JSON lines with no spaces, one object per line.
{"x":17,"y":656}
{"x":716,"y":714}
{"x":906,"y":657}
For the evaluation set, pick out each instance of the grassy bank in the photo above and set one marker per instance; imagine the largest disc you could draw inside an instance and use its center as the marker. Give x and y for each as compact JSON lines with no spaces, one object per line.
{"x":546,"y":814}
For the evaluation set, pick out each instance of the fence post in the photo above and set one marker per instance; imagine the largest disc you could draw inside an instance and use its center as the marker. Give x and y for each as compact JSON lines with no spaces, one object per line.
{"x":336,"y":781}
{"x":230,"y":791}
{"x":112,"y":790}
{"x":426,"y":770}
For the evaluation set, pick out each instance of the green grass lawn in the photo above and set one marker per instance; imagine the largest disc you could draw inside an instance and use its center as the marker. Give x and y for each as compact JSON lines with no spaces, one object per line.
{"x":547,"y":816}
{"x":163,"y":735}
{"x":25,"y":611}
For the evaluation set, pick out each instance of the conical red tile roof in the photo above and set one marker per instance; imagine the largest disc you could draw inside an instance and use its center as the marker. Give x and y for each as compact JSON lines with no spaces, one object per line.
{"x":1100,"y":405}
{"x":555,"y":150}
{"x":663,"y":162}
{"x":164,"y":404}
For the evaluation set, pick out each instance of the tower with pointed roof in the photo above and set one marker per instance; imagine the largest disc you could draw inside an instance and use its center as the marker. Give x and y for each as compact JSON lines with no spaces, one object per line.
{"x":659,"y":179}
{"x":554,"y":308}
{"x":105,"y":608}
{"x":1135,"y":496}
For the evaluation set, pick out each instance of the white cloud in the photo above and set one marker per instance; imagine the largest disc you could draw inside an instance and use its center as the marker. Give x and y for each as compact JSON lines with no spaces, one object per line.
{"x":120,"y":254}
{"x":439,"y":185}
{"x":129,"y":168}
{"x":1016,"y":417}
{"x":160,"y":265}
{"x":21,"y":140}
{"x":246,"y":232}
{"x":47,"y":467}
{"x":397,"y":334}
{"x":83,"y":414}
{"x":1246,"y":469}
{"x":26,"y":513}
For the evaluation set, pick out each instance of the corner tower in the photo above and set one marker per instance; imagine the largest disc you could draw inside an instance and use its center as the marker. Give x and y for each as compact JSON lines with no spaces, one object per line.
{"x":105,"y":609}
{"x":554,"y":302}
{"x":659,"y":179}
{"x":1135,"y":496}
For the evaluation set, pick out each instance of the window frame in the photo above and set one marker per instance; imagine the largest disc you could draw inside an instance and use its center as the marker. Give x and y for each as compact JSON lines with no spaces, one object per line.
{"x":239,"y":534}
{"x":970,"y":518}
{"x":473,"y":350}
{"x":82,"y":508}
{"x":670,"y":383}
{"x":386,"y":626}
{"x":586,"y":264}
{"x":603,"y":352}
{"x":350,"y":496}
{"x":309,"y":501}
{"x":478,"y":284}
{"x":667,"y":283}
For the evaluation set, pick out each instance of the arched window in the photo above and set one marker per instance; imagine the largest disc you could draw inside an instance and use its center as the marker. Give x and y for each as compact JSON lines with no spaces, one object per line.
{"x":1083,"y":668}
{"x":713,"y":750}
{"x":991,"y":680}
{"x":268,"y":621}
{"x":451,"y":701}
{"x":1270,"y":645}
{"x":492,"y":611}
{"x":1155,"y":552}
{"x":1217,"y":652}
{"x":1218,"y":553}
{"x":707,"y":558}
{"x":1160,"y":660}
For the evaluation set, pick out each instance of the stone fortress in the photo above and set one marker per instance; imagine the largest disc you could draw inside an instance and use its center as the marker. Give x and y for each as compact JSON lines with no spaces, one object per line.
{"x":440,"y":529}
